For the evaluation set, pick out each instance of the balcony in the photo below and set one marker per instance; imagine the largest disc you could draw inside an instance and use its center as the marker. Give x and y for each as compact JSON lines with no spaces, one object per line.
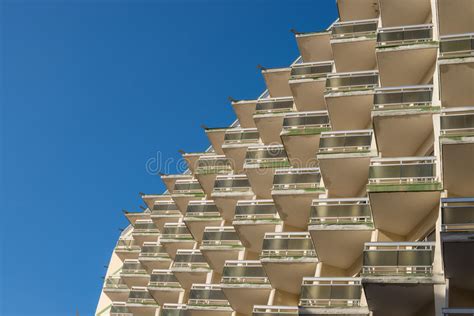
{"x":287,"y":258}
{"x":119,"y":309}
{"x":220,"y":244}
{"x":398,"y":276}
{"x":190,"y":267}
{"x":227,"y":191}
{"x":165,"y":212}
{"x":176,"y":236}
{"x":244,"y":110}
{"x":170,"y":180}
{"x":455,"y":17}
{"x":307,"y":84}
{"x":300,"y":136}
{"x":216,"y":138}
{"x":353,"y":45}
{"x":208,"y":299}
{"x":457,"y":237}
{"x":164,"y":287}
{"x":458,"y":311}
{"x":245,"y":284}
{"x":314,"y":47}
{"x":236,"y":142}
{"x":268,"y":310}
{"x":276,"y":80}
{"x":260,"y":165}
{"x":133,"y":273}
{"x":293,"y":190}
{"x":127,"y":248}
{"x":154,"y":256}
{"x":151,"y":199}
{"x":141,"y":303}
{"x":145,"y":231}
{"x":404,"y":192}
{"x":174,"y":310}
{"x":207,"y":169}
{"x":456,"y":46}
{"x":344,"y":159}
{"x":135,"y":216}
{"x":406,"y":55}
{"x":457,"y":150}
{"x":199,"y":215}
{"x":185,"y":191}
{"x":351,"y":82}
{"x":339,"y":228}
{"x":404,"y":12}
{"x":269,"y":116}
{"x":116,"y":289}
{"x":192,"y":159}
{"x":350,"y":10}
{"x":254,"y":218}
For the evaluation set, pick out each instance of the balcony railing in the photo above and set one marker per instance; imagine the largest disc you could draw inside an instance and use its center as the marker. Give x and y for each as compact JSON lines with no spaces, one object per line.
{"x":163,"y":279}
{"x":306,"y":122}
{"x":405,"y":35}
{"x":187,"y":187}
{"x":174,"y":310}
{"x":351,"y":29}
{"x":331,"y":292}
{"x":458,"y":311}
{"x":410,"y":170}
{"x":267,"y":310}
{"x":213,"y":164}
{"x":399,"y":98}
{"x":352,"y":81}
{"x":287,"y":245}
{"x":220,"y":237}
{"x":244,"y":272}
{"x":274,"y":105}
{"x":202,"y":208}
{"x":207,"y":295}
{"x":164,"y":208}
{"x":456,"y":46}
{"x":190,"y":259}
{"x":127,"y":245}
{"x":457,"y":214}
{"x":153,"y":251}
{"x":457,"y":122}
{"x":398,"y":258}
{"x":176,"y":231}
{"x":241,"y":136}
{"x":140,"y":296}
{"x":344,"y":211}
{"x":147,"y":227}
{"x":119,"y":310}
{"x":311,"y":70}
{"x":114,"y":283}
{"x":133,"y":267}
{"x":307,"y":179}
{"x":357,"y":141}
{"x":255,"y":210}
{"x":272,"y":156}
{"x":232,"y":183}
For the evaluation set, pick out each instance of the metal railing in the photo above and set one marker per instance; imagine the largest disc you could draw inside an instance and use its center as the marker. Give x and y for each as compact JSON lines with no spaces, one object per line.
{"x":312,"y":70}
{"x":140,"y":296}
{"x":409,"y":170}
{"x":340,"y":211}
{"x":127,"y":244}
{"x":351,"y":29}
{"x":274,"y":310}
{"x":396,"y":98}
{"x":187,"y":187}
{"x":351,"y":81}
{"x":115,"y":283}
{"x":331,"y":292}
{"x":163,"y":279}
{"x":274,"y":105}
{"x":174,"y":310}
{"x":241,"y":136}
{"x":457,"y":121}
{"x":457,"y":214}
{"x":256,"y":210}
{"x":202,"y":208}
{"x":296,"y":179}
{"x":176,"y":231}
{"x":404,"y":35}
{"x":355,"y":141}
{"x":456,"y":46}
{"x":458,"y":311}
{"x":231,"y":183}
{"x":207,"y":294}
{"x":190,"y":259}
{"x":306,"y":120}
{"x":119,"y":310}
{"x":145,"y":227}
{"x":132,"y":267}
{"x":220,"y":237}
{"x":244,"y":272}
{"x":265,"y":154}
{"x":278,"y":245}
{"x":153,"y":251}
{"x":213,"y":164}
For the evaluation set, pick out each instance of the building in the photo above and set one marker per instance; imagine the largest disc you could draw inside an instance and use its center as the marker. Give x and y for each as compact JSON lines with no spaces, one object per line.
{"x":346,"y":188}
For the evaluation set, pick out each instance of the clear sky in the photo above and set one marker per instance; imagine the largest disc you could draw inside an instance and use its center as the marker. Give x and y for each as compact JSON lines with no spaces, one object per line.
{"x":91,"y":91}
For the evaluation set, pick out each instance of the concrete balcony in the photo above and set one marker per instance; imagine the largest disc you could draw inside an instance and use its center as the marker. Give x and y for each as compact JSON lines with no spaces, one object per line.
{"x":216,"y":138}
{"x":344,"y":159}
{"x":127,"y":248}
{"x":404,"y":195}
{"x":207,"y":169}
{"x":192,"y":159}
{"x":300,"y":136}
{"x":119,"y":309}
{"x":345,"y":83}
{"x":165,"y":212}
{"x":260,"y":165}
{"x":339,"y":228}
{"x":244,"y":110}
{"x":350,"y":10}
{"x":275,"y":310}
{"x":276,"y":80}
{"x":164,"y":287}
{"x":287,"y":258}
{"x":307,"y":84}
{"x":116,"y":289}
{"x":133,"y":273}
{"x":252,"y":219}
{"x":245,"y":284}
{"x":353,"y":45}
{"x":151,"y":199}
{"x":236,"y":142}
{"x":185,"y":191}
{"x":403,"y":120}
{"x":332,"y":296}
{"x":228,"y":190}
{"x":269,"y":116}
{"x":145,"y":231}
{"x":190,"y":267}
{"x":457,"y":237}
{"x":404,"y":12}
{"x":141,"y":303}
{"x":170,"y":180}
{"x":457,"y":150}
{"x":458,"y":311}
{"x":154,"y":256}
{"x":455,"y":17}
{"x":135,"y":216}
{"x":314,"y":47}
{"x":199,"y":215}
{"x":220,"y":244}
{"x":398,"y":278}
{"x":406,"y":55}
{"x":174,"y":310}
{"x":456,"y":62}
{"x":208,"y":299}
{"x":176,"y":236}
{"x":293,"y":190}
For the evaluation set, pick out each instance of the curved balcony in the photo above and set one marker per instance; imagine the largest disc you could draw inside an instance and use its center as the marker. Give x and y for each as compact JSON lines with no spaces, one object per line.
{"x":207,"y":169}
{"x":314,"y":46}
{"x":216,"y":138}
{"x":244,"y":110}
{"x":176,"y":236}
{"x":190,"y":267}
{"x":276,"y":80}
{"x":269,"y":116}
{"x":154,"y":256}
{"x":199,"y":215}
{"x":145,"y":231}
{"x":236,"y":142}
{"x":220,"y":244}
{"x":228,"y":190}
{"x":164,"y":287}
{"x":185,"y":191}
{"x":164,"y":212}
{"x":133,"y":273}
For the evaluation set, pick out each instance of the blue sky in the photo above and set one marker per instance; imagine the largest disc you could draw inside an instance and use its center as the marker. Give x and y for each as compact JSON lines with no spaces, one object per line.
{"x":90,"y":91}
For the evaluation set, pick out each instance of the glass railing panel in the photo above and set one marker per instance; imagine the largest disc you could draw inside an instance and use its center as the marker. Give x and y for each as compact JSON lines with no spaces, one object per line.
{"x":456,"y":46}
{"x":256,"y":210}
{"x":277,"y":245}
{"x":297,"y":179}
{"x":403,"y":170}
{"x":145,"y":227}
{"x":354,"y":29}
{"x":457,"y":214}
{"x":213,"y":164}
{"x":341,"y":211}
{"x":174,"y":310}
{"x":310,"y":70}
{"x":133,"y":267}
{"x":176,"y":231}
{"x":232,"y":183}
{"x":267,"y":156}
{"x":186,"y":186}
{"x":140,"y":296}
{"x":127,"y":245}
{"x":274,"y":105}
{"x":153,"y":251}
{"x":344,"y":82}
{"x":331,"y":292}
{"x":345,"y":142}
{"x":405,"y":35}
{"x":264,"y":310}
{"x":403,"y":97}
{"x":457,"y":122}
{"x":205,"y":208}
{"x":189,"y":259}
{"x":205,"y":294}
{"x":458,"y":311}
{"x":241,"y":136}
{"x":220,"y":236}
{"x":307,"y":120}
{"x":115,"y":283}
{"x":244,"y":272}
{"x":163,"y":279}
{"x":119,"y":310}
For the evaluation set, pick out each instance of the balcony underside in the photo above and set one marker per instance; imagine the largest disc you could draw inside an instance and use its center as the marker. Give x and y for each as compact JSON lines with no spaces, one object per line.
{"x":182,"y":200}
{"x":217,"y":257}
{"x":406,"y":65}
{"x":151,"y":264}
{"x":405,"y":12}
{"x":261,"y":180}
{"x":216,"y":138}
{"x":294,"y":208}
{"x":287,"y":275}
{"x":142,"y":309}
{"x":334,"y":311}
{"x":354,"y":54}
{"x":169,"y":182}
{"x":135,"y":279}
{"x":315,"y":47}
{"x":456,"y":82}
{"x":351,"y":111}
{"x":357,"y":10}
{"x":344,"y":177}
{"x":455,"y":17}
{"x":196,"y":226}
{"x":458,"y":258}
{"x":458,"y":167}
{"x":186,"y":277}
{"x":191,"y":161}
{"x":124,"y":255}
{"x":172,"y":246}
{"x":308,"y":94}
{"x":269,"y":127}
{"x":165,"y":295}
{"x":236,"y":154}
{"x":209,"y":311}
{"x":242,"y":298}
{"x":341,"y":248}
{"x":160,"y":221}
{"x":251,"y":233}
{"x":404,"y":134}
{"x":277,"y":82}
{"x":117,"y":295}
{"x":226,"y":205}
{"x":301,"y":149}
{"x":141,"y":238}
{"x":401,"y":213}
{"x":244,"y":111}
{"x":207,"y":182}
